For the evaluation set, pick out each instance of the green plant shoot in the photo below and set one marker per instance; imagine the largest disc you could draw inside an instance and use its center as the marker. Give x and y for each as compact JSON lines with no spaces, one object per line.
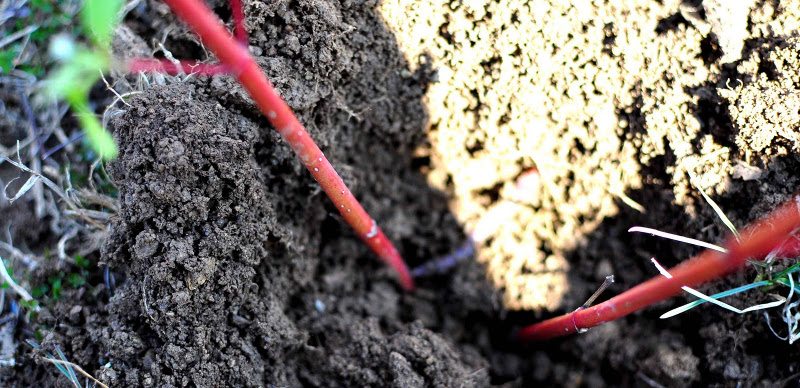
{"x":81,"y":67}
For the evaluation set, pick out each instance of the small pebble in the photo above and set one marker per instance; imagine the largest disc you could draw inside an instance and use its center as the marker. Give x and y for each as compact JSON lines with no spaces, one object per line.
{"x":74,"y":314}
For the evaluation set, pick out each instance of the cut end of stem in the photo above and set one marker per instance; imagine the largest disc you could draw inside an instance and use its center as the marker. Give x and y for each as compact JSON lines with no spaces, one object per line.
{"x":406,"y":280}
{"x":379,"y":244}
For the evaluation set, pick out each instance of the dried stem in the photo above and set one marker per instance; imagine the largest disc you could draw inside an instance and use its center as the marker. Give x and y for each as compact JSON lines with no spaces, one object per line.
{"x":76,"y":367}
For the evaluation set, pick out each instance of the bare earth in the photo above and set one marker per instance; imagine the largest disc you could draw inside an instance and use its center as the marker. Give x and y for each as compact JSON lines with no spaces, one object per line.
{"x":233,"y":269}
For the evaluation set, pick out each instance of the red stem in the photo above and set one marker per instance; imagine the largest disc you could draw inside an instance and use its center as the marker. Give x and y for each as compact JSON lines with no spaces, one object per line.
{"x":164,"y":66}
{"x":237,"y":59}
{"x":238,"y":22}
{"x":790,"y":248}
{"x":757,"y":241}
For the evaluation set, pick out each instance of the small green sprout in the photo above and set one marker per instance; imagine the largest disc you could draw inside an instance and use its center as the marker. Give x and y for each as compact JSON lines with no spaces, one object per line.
{"x":76,"y":280}
{"x":81,"y":67}
{"x":32,"y":304}
{"x":55,"y":285}
{"x":81,"y":262}
{"x":7,"y":57}
{"x":39,"y":291}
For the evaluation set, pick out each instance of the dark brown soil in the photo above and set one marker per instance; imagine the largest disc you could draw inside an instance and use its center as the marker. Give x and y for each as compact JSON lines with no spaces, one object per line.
{"x":234,"y":270}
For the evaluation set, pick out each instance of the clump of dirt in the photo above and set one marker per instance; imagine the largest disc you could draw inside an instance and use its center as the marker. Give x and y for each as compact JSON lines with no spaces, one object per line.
{"x":195,"y":219}
{"x":765,"y":107}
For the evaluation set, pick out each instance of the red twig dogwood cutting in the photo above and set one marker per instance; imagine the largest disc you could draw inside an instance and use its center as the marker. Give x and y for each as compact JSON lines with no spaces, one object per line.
{"x":236,"y":60}
{"x":181,"y":67}
{"x":761,"y":238}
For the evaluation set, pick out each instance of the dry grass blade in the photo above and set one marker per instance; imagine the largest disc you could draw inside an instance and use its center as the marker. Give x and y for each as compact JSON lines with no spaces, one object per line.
{"x":19,"y":290}
{"x":24,"y":189}
{"x":76,"y":367}
{"x":711,"y":300}
{"x":675,"y":237}
{"x":714,"y":206}
{"x":90,"y":197}
{"x":19,"y":34}
{"x":74,"y":207}
{"x":30,"y":262}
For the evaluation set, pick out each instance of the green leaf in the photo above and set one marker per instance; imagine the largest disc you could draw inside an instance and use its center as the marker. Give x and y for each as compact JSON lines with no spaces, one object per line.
{"x":101,"y":141}
{"x":99,"y":18}
{"x":39,"y":291}
{"x":36,"y":71}
{"x":7,"y":60}
{"x":55,"y":280}
{"x":80,"y":261}
{"x":74,"y":79}
{"x":42,"y":6}
{"x":68,"y":82}
{"x":31,"y":304}
{"x":76,"y":280}
{"x":56,"y":290}
{"x":72,"y":82}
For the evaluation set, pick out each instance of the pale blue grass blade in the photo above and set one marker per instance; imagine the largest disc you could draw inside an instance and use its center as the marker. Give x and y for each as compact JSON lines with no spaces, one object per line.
{"x":71,"y":375}
{"x":779,"y":277}
{"x":729,"y":307}
{"x":60,"y":367}
{"x":714,"y":301}
{"x":689,"y":306}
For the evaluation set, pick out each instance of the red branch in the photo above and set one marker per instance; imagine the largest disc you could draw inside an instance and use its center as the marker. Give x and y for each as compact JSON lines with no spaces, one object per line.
{"x":240,"y":64}
{"x":238,"y":22}
{"x":758,"y":241}
{"x":164,"y":66}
